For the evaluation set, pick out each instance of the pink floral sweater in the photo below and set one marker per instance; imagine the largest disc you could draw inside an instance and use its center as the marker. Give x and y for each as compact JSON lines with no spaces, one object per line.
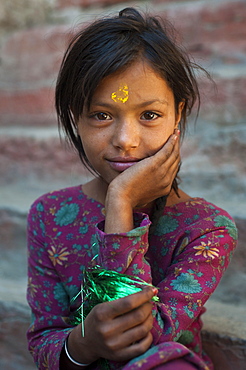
{"x":185,"y":258}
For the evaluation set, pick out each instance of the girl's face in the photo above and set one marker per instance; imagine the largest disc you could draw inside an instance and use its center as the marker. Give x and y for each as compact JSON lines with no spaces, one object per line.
{"x":131,"y":116}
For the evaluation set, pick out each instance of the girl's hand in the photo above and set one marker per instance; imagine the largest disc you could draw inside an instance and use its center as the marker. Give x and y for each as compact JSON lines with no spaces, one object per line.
{"x":150,"y":178}
{"x":140,"y":184}
{"x":117,"y":330}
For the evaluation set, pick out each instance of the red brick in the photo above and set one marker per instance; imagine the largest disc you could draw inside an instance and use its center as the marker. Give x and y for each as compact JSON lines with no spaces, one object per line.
{"x":27,"y":156}
{"x":202,"y":27}
{"x":39,"y":101}
{"x":33,"y":56}
{"x":225,"y":99}
{"x":29,"y":107}
{"x":86,"y":3}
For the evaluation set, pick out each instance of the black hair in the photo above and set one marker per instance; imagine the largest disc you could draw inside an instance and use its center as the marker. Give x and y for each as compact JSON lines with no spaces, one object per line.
{"x":110,"y":45}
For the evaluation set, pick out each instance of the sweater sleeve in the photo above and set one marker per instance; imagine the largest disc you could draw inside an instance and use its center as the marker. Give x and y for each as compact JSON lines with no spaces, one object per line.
{"x":46,"y":295}
{"x":199,"y":261}
{"x":124,"y":252}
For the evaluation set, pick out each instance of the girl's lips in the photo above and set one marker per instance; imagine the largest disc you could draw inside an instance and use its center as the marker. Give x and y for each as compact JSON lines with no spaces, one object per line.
{"x":122,"y":164}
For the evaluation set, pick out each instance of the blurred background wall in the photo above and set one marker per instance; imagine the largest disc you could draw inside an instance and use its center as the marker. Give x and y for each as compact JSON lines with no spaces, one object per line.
{"x":33,"y":37}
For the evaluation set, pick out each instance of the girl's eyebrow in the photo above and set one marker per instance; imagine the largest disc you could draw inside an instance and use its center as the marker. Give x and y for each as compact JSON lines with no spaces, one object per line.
{"x":149,"y":102}
{"x":140,"y":105}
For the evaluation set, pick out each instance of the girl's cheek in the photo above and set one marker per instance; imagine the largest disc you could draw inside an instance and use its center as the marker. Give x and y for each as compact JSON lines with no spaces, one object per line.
{"x":160,"y":138}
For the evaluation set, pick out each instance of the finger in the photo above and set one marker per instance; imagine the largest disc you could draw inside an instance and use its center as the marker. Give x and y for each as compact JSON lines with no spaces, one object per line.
{"x":125,"y":338}
{"x":135,"y":317}
{"x":135,"y":349}
{"x":175,"y":142}
{"x":172,"y":175}
{"x":138,"y":332}
{"x":123,"y":305}
{"x":170,"y":164}
{"x":171,"y":141}
{"x":167,"y":149}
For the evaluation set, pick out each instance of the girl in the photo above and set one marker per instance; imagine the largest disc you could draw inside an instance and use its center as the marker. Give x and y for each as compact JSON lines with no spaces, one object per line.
{"x":123,"y":95}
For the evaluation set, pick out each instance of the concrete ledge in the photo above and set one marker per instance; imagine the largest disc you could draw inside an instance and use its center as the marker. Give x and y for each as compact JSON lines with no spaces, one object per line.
{"x":14,"y":321}
{"x":226,"y":352}
{"x":224,"y":335}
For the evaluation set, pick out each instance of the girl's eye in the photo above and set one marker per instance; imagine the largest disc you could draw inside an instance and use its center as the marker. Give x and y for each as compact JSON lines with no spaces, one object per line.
{"x":149,"y":116}
{"x":102,"y":116}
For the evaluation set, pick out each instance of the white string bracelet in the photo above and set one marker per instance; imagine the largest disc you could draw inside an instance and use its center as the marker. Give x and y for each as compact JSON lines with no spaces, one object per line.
{"x":70,"y":358}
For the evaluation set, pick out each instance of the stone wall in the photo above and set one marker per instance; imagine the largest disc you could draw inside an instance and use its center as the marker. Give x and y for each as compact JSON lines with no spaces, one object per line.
{"x":33,"y":37}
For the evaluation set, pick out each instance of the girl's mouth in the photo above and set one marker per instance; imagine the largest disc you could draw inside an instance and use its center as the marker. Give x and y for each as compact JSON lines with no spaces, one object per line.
{"x":121,"y":164}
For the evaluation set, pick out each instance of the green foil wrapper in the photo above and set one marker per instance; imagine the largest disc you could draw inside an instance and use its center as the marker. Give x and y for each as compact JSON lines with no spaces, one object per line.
{"x":100,"y":285}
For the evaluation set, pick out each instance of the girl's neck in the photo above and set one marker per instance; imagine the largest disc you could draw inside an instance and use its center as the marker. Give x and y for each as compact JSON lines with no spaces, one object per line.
{"x":97,"y":189}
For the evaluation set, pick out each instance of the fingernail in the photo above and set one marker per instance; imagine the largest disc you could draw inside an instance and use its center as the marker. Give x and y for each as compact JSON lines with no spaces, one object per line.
{"x":177,"y":131}
{"x":155,"y":290}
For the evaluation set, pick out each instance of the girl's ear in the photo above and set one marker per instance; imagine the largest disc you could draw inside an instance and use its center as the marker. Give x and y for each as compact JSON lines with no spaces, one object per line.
{"x":179,"y":113}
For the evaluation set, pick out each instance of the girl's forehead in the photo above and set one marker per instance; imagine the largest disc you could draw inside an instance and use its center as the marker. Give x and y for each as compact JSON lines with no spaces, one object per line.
{"x":138,"y":81}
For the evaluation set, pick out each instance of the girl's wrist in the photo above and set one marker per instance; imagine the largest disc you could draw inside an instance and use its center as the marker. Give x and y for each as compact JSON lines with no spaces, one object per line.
{"x":71,"y":359}
{"x":76,"y":349}
{"x":119,"y":193}
{"x":119,"y":214}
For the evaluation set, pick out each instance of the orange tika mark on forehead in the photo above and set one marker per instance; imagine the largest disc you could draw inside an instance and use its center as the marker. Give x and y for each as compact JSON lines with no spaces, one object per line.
{"x":121,"y":95}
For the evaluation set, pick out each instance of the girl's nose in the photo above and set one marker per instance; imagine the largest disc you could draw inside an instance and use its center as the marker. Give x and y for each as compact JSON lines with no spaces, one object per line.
{"x":126,"y":135}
